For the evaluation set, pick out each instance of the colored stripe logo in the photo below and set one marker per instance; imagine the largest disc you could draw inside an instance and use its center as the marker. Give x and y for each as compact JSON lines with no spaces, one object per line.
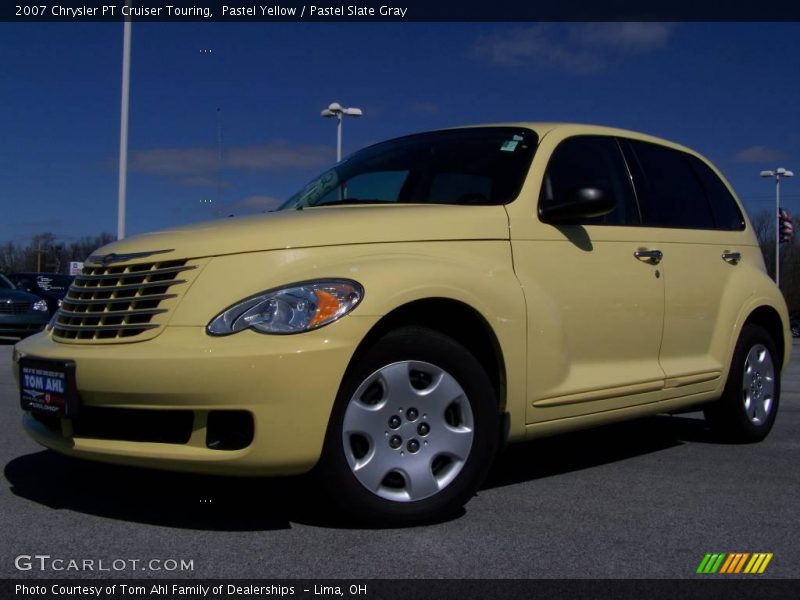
{"x":734,"y":563}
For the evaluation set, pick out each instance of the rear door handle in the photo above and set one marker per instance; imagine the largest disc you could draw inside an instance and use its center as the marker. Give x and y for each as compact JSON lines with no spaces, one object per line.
{"x":652,"y":256}
{"x":732,"y":257}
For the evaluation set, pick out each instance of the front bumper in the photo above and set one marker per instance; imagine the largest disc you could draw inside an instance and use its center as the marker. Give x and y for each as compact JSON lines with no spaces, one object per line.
{"x":286,"y":383}
{"x":23,"y":324}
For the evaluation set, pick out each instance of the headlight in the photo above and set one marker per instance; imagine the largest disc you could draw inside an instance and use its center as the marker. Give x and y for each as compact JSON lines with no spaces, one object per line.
{"x":40,"y":305}
{"x":292,"y":309}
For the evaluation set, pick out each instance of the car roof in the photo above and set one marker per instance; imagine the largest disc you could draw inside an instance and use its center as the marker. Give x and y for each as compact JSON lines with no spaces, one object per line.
{"x":543,"y":128}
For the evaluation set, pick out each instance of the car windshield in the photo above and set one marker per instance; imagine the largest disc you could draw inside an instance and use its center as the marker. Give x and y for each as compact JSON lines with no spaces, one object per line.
{"x":5,"y":284}
{"x":476,"y":166}
{"x":53,"y":283}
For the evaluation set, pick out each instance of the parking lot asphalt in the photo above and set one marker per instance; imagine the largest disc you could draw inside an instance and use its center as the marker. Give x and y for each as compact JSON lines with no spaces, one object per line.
{"x":645,"y":499}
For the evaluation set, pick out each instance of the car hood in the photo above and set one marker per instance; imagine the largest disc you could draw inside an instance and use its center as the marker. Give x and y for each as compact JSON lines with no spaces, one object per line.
{"x":17,"y":296}
{"x":312,"y":227}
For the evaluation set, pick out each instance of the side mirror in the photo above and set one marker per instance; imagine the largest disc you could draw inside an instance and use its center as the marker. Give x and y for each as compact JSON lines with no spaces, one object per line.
{"x":581,"y":203}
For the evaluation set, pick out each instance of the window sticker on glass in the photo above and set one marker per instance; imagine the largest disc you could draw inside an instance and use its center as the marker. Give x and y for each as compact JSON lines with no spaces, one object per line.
{"x":509,"y":146}
{"x":517,"y":138}
{"x":316,"y":189}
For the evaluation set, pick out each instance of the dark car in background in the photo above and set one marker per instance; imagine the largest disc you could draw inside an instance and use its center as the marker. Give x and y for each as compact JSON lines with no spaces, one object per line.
{"x":21,"y":313}
{"x":50,"y":286}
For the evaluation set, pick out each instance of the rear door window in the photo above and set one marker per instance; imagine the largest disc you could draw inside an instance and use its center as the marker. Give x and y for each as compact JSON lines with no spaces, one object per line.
{"x":669,"y":190}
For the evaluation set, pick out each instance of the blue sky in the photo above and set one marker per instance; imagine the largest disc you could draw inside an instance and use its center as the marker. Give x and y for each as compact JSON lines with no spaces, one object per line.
{"x":728,"y":90}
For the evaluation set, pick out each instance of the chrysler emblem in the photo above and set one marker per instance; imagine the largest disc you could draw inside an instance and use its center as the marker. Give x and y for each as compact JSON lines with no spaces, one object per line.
{"x":108,"y":259}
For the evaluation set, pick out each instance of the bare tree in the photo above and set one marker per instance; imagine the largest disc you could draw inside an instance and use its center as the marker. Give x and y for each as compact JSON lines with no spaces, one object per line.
{"x":46,"y":253}
{"x":764,"y":228}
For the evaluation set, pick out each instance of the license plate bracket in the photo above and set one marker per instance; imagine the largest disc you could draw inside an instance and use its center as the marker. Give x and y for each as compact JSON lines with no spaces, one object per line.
{"x":47,"y":387}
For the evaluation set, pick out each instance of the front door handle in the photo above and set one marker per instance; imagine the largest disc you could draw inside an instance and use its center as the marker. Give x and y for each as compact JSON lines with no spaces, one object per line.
{"x":732,"y":257}
{"x":652,"y":256}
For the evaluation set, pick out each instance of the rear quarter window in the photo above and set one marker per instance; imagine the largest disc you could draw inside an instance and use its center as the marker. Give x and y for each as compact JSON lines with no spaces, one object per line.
{"x":727,"y":215}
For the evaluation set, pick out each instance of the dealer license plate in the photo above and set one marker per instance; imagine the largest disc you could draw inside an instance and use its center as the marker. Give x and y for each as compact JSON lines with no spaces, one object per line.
{"x":47,"y":387}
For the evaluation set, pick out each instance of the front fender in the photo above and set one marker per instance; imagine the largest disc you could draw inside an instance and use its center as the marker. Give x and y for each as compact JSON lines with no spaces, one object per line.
{"x":476,"y":273}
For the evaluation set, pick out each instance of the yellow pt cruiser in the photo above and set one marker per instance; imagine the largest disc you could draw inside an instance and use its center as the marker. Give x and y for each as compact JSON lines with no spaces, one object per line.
{"x":412,"y":309}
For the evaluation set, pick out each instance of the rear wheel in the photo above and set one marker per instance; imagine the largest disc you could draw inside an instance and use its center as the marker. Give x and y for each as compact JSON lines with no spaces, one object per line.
{"x":414,"y":430}
{"x":748,"y":406}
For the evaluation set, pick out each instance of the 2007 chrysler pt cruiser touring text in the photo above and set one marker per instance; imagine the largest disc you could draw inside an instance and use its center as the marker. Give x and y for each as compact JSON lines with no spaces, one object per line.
{"x":410,"y":310}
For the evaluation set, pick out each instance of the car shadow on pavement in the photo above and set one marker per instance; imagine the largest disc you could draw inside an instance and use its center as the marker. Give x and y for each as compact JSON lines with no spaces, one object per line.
{"x":179,"y":500}
{"x":550,"y":456}
{"x":201,"y":502}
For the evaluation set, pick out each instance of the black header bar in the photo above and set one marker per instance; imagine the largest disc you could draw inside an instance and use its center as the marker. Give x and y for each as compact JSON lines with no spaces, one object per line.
{"x":398,"y":10}
{"x":702,"y":588}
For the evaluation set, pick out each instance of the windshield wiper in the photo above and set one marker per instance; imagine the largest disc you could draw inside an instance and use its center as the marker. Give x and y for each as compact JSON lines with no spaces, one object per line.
{"x":353,"y":201}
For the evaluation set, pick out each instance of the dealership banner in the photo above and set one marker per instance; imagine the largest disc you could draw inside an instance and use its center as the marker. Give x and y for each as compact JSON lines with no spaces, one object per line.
{"x":399,"y":10}
{"x":381,"y":589}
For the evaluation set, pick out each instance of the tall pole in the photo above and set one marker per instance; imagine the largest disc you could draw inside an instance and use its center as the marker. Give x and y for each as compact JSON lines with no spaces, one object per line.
{"x":778,"y":230}
{"x":339,"y":137}
{"x":219,"y":158}
{"x":123,"y":127}
{"x":777,"y":174}
{"x":337,"y":110}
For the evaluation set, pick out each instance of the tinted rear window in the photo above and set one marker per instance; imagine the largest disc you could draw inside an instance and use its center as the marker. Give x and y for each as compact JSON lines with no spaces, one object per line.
{"x":726,"y":212}
{"x":670,"y":191}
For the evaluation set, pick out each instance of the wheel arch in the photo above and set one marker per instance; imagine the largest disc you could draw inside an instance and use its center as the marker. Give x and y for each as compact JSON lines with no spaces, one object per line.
{"x":449,"y":317}
{"x":767,"y":317}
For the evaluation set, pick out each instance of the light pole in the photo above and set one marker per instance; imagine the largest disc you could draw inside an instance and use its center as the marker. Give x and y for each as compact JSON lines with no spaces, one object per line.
{"x":337,"y":110}
{"x":123,"y":126}
{"x":777,"y":174}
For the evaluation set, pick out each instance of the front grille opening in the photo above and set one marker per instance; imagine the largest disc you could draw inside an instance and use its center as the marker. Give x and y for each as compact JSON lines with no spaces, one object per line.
{"x":15,"y":308}
{"x":134,"y":425}
{"x":111,"y":303}
{"x":229,"y":429}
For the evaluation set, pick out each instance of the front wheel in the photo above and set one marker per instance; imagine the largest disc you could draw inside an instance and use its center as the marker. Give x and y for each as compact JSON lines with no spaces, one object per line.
{"x":413,"y":432}
{"x":748,"y":406}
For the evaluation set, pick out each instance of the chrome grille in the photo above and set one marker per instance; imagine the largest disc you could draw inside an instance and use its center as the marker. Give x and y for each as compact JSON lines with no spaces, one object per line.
{"x":120,"y":302}
{"x":14,"y":308}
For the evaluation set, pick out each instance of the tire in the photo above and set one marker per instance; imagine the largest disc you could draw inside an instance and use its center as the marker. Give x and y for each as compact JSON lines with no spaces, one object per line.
{"x":747,"y":408}
{"x":413,"y":431}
